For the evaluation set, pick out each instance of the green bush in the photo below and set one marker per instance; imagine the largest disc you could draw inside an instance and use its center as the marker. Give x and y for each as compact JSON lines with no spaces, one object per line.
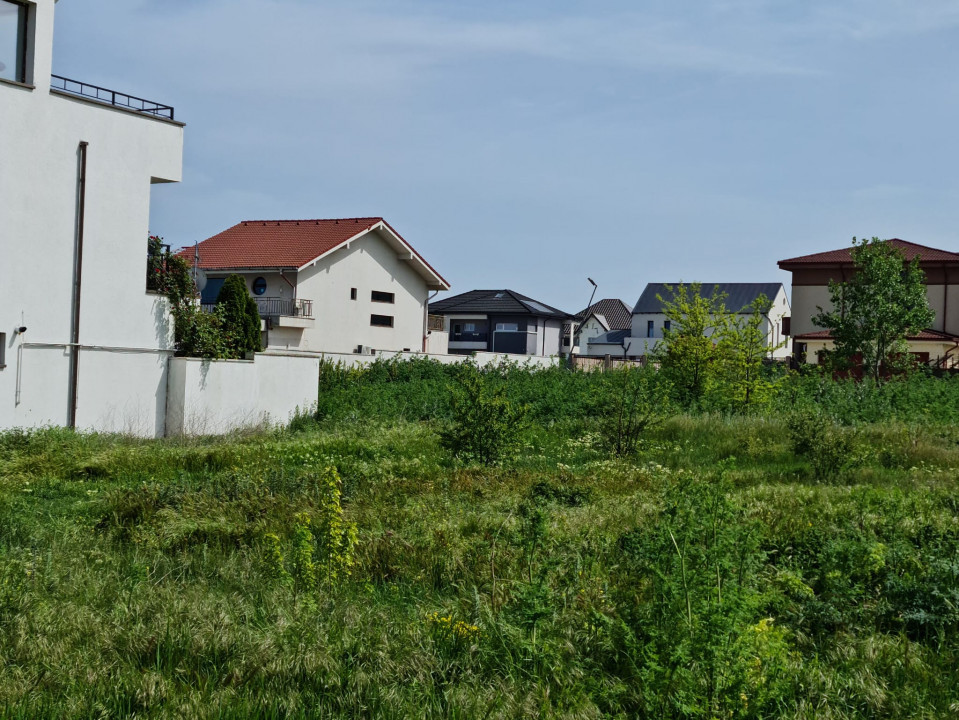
{"x":240,"y":318}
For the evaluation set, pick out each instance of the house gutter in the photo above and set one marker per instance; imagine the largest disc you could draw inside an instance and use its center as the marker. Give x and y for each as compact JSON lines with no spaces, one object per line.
{"x":77,"y":280}
{"x":426,"y":319}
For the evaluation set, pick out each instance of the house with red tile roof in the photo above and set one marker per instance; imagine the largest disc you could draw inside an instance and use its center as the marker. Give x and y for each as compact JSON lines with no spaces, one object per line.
{"x":335,"y":285}
{"x":937,"y":345}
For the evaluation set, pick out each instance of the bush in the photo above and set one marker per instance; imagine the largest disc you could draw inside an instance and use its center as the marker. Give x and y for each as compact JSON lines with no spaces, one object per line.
{"x":486,"y":426}
{"x":240,"y":318}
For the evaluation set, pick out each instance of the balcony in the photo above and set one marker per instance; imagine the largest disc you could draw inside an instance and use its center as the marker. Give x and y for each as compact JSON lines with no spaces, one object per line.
{"x":283,"y":312}
{"x":110,"y":97}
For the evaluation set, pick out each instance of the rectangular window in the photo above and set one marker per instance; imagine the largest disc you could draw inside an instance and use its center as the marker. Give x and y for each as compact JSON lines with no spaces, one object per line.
{"x":667,"y":325}
{"x":352,"y":293}
{"x":507,"y":327}
{"x":384,"y":297}
{"x":381,"y":320}
{"x":3,"y":350}
{"x":469,"y":331}
{"x":13,"y":41}
{"x":650,"y":328}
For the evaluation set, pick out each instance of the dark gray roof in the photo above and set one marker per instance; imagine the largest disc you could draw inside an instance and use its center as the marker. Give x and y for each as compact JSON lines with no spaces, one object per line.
{"x":617,"y":314}
{"x":613,"y":337}
{"x":738,"y":295}
{"x":498,"y":302}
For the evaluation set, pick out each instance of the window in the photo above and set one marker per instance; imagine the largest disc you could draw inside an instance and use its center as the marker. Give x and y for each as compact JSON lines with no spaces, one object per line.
{"x":352,"y":293}
{"x":381,"y":320}
{"x":13,"y":41}
{"x":667,"y":325}
{"x":259,"y":286}
{"x":3,"y":350}
{"x":383,"y":297}
{"x":650,"y":329}
{"x":469,"y":331}
{"x":507,"y":327}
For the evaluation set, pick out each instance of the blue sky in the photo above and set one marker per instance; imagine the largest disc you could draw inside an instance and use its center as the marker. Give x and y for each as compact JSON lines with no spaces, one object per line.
{"x":530,"y":145}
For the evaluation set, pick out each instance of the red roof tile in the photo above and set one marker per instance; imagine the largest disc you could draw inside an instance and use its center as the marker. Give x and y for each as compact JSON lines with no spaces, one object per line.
{"x":844,"y":255}
{"x":921,"y":335}
{"x":283,"y":243}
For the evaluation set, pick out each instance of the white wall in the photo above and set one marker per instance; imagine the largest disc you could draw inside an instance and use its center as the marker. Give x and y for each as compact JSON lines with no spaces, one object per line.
{"x":215,"y":396}
{"x":341,"y":324}
{"x":38,"y":217}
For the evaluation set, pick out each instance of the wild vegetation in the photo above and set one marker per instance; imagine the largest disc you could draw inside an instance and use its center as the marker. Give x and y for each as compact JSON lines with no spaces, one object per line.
{"x":619,"y":555}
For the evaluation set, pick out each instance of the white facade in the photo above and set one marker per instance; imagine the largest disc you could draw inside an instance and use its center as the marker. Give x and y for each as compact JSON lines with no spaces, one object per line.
{"x":647,"y":330}
{"x":124,"y":332}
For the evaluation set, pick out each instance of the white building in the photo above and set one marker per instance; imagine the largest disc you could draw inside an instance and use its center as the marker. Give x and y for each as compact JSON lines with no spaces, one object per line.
{"x":349,"y":285}
{"x":649,"y":320}
{"x":81,"y":341}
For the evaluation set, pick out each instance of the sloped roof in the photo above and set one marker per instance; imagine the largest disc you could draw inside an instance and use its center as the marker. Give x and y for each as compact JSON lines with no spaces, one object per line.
{"x":738,"y":295}
{"x":499,"y":302}
{"x":921,"y":335}
{"x":844,"y":255}
{"x":614,"y":312}
{"x":287,"y":244}
{"x":613,"y":337}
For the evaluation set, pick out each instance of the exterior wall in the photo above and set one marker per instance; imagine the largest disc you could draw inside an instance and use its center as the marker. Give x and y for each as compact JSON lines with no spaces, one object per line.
{"x":542,"y":335}
{"x":552,"y":331}
{"x":342,"y":324}
{"x":589,"y":330}
{"x":806,"y":301}
{"x":216,"y":396}
{"x":601,"y":350}
{"x":480,"y":358}
{"x":937,"y":351}
{"x":438,"y":342}
{"x":39,"y":174}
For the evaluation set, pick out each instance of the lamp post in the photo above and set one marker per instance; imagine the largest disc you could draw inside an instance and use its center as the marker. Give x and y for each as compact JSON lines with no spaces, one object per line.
{"x":572,"y":324}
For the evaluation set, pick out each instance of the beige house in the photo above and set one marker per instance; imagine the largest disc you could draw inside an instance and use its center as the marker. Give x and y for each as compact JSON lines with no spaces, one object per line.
{"x":937,"y":345}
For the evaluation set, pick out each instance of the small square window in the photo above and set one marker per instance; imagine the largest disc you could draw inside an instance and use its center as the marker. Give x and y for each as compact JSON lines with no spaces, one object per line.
{"x":383,"y":297}
{"x":381,"y":320}
{"x":352,"y":293}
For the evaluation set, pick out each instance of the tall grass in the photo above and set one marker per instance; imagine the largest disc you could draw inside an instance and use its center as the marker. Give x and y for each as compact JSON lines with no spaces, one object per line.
{"x":713,"y":573}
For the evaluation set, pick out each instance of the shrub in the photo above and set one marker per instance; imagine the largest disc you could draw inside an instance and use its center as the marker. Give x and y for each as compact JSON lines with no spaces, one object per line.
{"x":240,"y":318}
{"x":486,"y":425}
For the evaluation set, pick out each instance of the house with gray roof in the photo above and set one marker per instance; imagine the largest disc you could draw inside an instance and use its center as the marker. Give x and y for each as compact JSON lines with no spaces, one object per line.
{"x":649,"y":321}
{"x":502,"y":321}
{"x":603,"y":316}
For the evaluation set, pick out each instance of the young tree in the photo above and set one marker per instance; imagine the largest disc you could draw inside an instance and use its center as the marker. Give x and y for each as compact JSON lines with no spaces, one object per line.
{"x":743,"y":349}
{"x":241,"y":319}
{"x":874,"y":311}
{"x":689,"y":353}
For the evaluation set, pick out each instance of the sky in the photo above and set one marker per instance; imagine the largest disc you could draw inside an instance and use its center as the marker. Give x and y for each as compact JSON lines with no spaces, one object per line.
{"x":530,"y":145}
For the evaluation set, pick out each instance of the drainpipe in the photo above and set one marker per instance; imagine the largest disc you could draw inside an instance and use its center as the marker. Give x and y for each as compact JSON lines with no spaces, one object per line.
{"x":945,"y":296}
{"x":77,"y":277}
{"x":426,"y":318}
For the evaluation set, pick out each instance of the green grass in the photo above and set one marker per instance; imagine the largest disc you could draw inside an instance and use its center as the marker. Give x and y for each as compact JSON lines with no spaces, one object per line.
{"x":135,"y":580}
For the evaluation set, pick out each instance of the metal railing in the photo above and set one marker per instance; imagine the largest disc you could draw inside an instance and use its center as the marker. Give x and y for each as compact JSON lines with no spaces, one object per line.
{"x":110,"y":97}
{"x":276,"y":307}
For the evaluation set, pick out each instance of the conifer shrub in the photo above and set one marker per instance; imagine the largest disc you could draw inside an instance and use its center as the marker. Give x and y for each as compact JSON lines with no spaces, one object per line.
{"x":240,"y":318}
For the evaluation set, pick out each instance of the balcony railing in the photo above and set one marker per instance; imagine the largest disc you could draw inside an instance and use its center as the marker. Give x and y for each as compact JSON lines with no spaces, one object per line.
{"x":110,"y":97}
{"x":276,"y":307}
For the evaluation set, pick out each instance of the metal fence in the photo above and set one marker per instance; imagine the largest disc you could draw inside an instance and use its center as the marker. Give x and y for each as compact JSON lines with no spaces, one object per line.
{"x":276,"y":307}
{"x":110,"y":97}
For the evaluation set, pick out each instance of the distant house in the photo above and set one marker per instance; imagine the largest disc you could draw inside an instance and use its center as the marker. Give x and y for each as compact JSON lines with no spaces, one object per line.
{"x":649,"y":320}
{"x":596,"y":320}
{"x":502,"y":321}
{"x":936,"y":345}
{"x":349,"y":285}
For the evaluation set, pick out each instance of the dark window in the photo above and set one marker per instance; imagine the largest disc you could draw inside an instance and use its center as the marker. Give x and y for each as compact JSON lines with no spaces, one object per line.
{"x":3,"y":350}
{"x":384,"y":297}
{"x":469,"y":331}
{"x":667,"y":325}
{"x":352,"y":293}
{"x":13,"y":41}
{"x":650,"y":328}
{"x":381,"y":320}
{"x":259,"y":286}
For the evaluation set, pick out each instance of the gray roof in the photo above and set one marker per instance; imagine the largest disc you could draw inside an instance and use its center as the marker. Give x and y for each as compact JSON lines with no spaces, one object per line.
{"x":494,"y":302}
{"x":613,"y":337}
{"x":738,"y":295}
{"x":614,"y":311}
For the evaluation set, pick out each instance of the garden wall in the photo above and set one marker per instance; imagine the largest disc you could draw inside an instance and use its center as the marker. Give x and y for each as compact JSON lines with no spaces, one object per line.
{"x":207,"y":397}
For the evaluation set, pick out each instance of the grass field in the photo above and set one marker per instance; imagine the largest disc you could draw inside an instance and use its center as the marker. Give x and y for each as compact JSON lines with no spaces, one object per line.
{"x":723,"y":570}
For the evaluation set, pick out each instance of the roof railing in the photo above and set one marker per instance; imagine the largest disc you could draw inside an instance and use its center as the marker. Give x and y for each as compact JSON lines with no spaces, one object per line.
{"x":110,"y":97}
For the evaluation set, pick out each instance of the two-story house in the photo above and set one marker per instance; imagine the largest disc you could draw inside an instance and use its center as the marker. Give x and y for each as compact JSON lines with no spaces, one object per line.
{"x":82,"y":343}
{"x":351,"y":285}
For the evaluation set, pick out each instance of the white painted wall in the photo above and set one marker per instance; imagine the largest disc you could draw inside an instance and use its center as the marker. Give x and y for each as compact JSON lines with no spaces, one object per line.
{"x":209,"y":397}
{"x":119,"y":388}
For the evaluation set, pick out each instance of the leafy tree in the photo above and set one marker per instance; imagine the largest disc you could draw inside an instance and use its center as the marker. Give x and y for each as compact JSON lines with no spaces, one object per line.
{"x":689,"y":353}
{"x":631,"y":401}
{"x":241,"y":319}
{"x":743,"y":349}
{"x":874,"y":311}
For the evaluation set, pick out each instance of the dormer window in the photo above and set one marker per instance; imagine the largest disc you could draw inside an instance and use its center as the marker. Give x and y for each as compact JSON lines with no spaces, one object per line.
{"x":13,"y":41}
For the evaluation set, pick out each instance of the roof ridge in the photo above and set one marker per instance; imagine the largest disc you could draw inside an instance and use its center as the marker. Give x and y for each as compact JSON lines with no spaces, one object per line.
{"x":313,"y":220}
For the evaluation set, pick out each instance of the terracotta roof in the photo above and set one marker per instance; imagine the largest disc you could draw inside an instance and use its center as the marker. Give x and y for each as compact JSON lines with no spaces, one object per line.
{"x":844,"y":255}
{"x":921,"y":335}
{"x":496,"y":302}
{"x":285,"y":243}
